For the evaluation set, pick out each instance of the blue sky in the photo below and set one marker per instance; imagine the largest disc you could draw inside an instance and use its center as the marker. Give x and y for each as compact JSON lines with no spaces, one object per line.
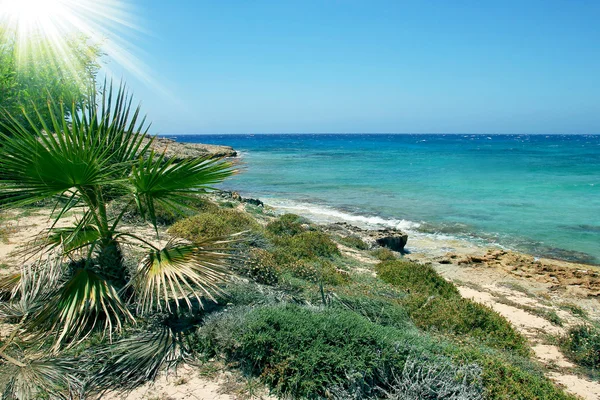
{"x":370,"y":66}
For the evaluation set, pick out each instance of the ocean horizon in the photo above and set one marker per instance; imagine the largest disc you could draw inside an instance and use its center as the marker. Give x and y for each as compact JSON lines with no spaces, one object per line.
{"x":536,"y":193}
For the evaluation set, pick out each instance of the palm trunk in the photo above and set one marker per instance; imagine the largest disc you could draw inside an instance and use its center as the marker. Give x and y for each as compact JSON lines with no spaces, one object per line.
{"x":110,"y":260}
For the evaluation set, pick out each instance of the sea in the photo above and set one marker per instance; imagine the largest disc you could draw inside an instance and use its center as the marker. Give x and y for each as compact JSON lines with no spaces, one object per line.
{"x":533,"y":193}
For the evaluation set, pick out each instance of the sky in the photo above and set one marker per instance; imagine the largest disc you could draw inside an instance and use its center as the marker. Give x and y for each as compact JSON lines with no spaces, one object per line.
{"x":368,"y":66}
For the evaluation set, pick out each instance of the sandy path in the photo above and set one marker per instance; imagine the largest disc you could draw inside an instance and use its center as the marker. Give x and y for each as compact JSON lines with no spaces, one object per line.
{"x":533,"y":326}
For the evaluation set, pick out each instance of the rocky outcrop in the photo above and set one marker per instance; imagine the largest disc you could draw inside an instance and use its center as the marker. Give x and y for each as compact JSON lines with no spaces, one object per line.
{"x":235,"y":196}
{"x":394,"y":239}
{"x":181,"y":151}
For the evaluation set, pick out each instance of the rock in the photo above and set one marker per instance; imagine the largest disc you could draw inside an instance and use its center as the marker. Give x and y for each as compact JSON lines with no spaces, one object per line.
{"x":181,"y":151}
{"x":254,"y":202}
{"x":235,"y":196}
{"x":393,"y":239}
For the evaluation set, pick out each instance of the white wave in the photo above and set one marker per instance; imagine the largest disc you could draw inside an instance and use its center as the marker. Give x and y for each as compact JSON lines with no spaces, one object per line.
{"x":327,"y":214}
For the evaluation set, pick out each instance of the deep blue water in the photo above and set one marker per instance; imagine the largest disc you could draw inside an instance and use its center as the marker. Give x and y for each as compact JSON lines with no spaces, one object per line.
{"x":534,"y":193}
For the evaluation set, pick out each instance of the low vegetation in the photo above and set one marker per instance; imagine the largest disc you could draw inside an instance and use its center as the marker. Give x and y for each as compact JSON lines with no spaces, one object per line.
{"x":307,"y":324}
{"x":435,"y":304}
{"x":582,"y":345}
{"x":354,"y":242}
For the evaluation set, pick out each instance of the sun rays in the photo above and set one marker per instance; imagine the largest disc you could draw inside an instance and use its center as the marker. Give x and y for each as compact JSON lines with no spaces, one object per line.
{"x":45,"y":31}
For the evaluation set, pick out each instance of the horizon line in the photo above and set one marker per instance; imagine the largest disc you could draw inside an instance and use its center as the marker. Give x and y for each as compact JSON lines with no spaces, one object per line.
{"x":377,"y":133}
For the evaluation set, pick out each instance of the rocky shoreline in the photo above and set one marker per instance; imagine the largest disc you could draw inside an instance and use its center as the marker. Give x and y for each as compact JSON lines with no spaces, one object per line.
{"x":181,"y":151}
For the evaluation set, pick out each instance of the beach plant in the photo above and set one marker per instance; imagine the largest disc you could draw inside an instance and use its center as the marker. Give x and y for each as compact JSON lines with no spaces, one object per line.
{"x":582,"y":345}
{"x":98,"y":157}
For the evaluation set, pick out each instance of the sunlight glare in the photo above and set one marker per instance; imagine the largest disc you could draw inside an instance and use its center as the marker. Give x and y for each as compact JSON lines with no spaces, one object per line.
{"x":42,"y":30}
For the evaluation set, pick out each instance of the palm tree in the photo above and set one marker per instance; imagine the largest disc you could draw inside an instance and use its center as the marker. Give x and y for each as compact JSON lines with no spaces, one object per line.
{"x":82,"y":285}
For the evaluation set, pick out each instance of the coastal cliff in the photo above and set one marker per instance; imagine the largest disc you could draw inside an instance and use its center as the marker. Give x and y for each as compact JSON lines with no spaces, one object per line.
{"x":180,"y":151}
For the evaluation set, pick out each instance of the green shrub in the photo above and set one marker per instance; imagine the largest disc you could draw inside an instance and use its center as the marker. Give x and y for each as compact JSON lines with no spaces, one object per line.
{"x":317,"y":271}
{"x":434,"y":303}
{"x":302,"y":353}
{"x":166,"y":215}
{"x":354,"y":242}
{"x":462,"y":317}
{"x":213,"y":224}
{"x":415,"y":278}
{"x":513,"y":379}
{"x":379,"y":311}
{"x":310,"y":245}
{"x":383,"y":254}
{"x":262,"y":267}
{"x":286,"y":225}
{"x":582,"y":345}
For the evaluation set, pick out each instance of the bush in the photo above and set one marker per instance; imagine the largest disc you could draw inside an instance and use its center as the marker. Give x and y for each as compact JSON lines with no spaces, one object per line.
{"x":167,"y":215}
{"x":262,"y":267}
{"x":213,"y":224}
{"x":434,"y":303}
{"x":317,"y":271}
{"x":415,"y":278}
{"x":302,"y":353}
{"x":286,"y":225}
{"x":513,"y":379}
{"x":462,"y":317}
{"x":383,"y":254}
{"x":379,"y":311}
{"x":354,"y":242}
{"x":306,"y":245}
{"x":582,"y":345}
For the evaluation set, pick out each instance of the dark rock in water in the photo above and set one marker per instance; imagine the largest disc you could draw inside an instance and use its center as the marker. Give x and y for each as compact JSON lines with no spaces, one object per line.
{"x":235,"y":196}
{"x":393,"y":239}
{"x":181,"y":151}
{"x":254,"y":202}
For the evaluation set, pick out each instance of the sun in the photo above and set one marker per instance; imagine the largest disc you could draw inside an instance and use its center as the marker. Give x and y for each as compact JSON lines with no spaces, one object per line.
{"x":31,"y":15}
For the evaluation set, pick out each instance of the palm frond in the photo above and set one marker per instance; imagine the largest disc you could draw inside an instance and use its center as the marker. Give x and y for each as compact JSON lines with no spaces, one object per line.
{"x":155,"y":179}
{"x":71,"y":238}
{"x":135,"y":360}
{"x":83,"y":303}
{"x":34,"y":285}
{"x":179,"y":271}
{"x":41,"y":378}
{"x":9,"y":284}
{"x":95,"y":149}
{"x":117,"y":126}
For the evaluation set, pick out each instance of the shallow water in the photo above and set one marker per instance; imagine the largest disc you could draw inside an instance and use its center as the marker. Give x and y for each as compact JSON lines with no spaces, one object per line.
{"x":534,"y":193}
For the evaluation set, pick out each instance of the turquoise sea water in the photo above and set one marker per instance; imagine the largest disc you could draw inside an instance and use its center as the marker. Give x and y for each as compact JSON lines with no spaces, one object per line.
{"x":534,"y":193}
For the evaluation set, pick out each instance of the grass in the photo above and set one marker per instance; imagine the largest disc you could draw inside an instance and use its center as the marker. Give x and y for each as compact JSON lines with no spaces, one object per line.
{"x":574,"y":309}
{"x":548,"y":314}
{"x":405,"y":332}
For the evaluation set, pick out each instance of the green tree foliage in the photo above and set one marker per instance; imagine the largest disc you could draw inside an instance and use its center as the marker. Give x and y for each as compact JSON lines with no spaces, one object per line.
{"x":30,"y":74}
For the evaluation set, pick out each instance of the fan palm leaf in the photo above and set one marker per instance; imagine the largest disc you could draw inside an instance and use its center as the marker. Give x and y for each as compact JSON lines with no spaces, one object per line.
{"x":134,"y":360}
{"x":179,"y":271}
{"x":155,"y":179}
{"x":85,"y":301}
{"x":35,"y":379}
